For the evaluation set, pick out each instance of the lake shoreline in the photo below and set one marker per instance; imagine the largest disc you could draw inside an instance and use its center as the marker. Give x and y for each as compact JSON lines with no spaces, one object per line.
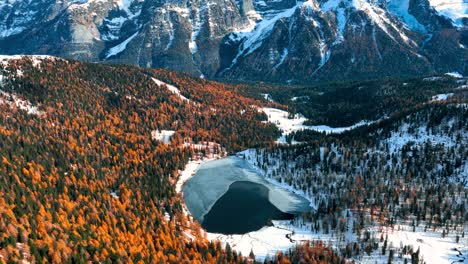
{"x":257,"y":241}
{"x":212,"y":180}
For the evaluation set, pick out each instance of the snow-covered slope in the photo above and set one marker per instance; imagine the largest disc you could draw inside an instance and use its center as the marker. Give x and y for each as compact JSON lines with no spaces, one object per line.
{"x":401,"y":9}
{"x":456,"y":10}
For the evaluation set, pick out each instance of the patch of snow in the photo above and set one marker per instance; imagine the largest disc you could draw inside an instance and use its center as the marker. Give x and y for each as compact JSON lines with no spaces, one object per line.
{"x":6,"y":32}
{"x":375,"y":43}
{"x":454,"y":74}
{"x":189,"y":236}
{"x":171,"y":88}
{"x":167,"y":216}
{"x":375,"y":13}
{"x":196,"y":23}
{"x":36,"y":59}
{"x":183,"y":12}
{"x":125,"y":5}
{"x":295,"y":98}
{"x":281,"y":119}
{"x":114,"y":195}
{"x":341,"y":18}
{"x":282,"y":58}
{"x":288,"y":124}
{"x":255,"y":37}
{"x":189,"y":171}
{"x":264,"y":242}
{"x":163,"y":135}
{"x":338,"y":130}
{"x":441,"y":97}
{"x":380,"y":20}
{"x":267,"y":97}
{"x":283,"y":235}
{"x":121,"y":47}
{"x":114,"y":25}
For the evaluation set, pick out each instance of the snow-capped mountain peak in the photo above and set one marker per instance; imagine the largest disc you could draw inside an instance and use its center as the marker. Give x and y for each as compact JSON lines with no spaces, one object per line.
{"x":274,"y":40}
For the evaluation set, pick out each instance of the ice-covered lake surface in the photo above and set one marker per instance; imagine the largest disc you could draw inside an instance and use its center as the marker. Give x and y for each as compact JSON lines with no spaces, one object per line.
{"x":214,"y":178}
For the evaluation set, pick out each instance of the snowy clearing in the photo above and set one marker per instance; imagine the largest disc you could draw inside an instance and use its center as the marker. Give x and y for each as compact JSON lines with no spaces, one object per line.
{"x":285,"y":124}
{"x":264,"y":242}
{"x":163,"y":135}
{"x":338,"y":130}
{"x":288,"y":125}
{"x":283,"y":235}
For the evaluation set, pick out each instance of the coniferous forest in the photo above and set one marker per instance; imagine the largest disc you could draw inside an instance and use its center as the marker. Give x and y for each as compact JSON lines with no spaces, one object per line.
{"x":85,"y":177}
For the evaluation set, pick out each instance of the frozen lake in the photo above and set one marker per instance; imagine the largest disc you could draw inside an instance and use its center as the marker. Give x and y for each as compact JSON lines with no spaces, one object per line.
{"x":228,"y":196}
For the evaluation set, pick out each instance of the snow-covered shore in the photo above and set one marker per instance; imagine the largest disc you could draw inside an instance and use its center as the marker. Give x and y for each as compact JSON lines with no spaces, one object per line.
{"x":189,"y":171}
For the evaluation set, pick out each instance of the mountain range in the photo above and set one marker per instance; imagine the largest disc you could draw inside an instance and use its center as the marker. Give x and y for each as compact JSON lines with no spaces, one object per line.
{"x":282,"y":41}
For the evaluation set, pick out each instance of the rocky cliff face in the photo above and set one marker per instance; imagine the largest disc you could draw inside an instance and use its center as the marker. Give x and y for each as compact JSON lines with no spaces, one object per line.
{"x":269,"y":40}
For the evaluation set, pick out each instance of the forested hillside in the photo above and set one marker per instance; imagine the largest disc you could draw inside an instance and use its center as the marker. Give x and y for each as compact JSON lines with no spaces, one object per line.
{"x":82,"y":179}
{"x":339,"y":104}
